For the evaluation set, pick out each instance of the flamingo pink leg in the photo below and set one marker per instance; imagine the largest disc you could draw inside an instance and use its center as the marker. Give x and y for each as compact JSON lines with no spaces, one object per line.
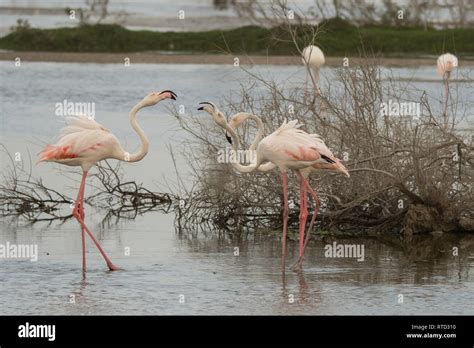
{"x":317,"y":202}
{"x":285,"y":220}
{"x":77,"y":215}
{"x":81,"y":213}
{"x":301,"y":232}
{"x":303,"y":212}
{"x":305,"y":196}
{"x":83,"y":237}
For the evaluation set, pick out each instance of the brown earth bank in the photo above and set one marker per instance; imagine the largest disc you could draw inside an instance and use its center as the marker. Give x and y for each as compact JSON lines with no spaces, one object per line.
{"x":162,"y":58}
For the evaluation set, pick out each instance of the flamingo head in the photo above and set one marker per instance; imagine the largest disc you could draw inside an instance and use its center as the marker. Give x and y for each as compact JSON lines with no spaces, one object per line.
{"x":216,"y":114}
{"x":236,"y":120}
{"x":155,"y":97}
{"x":446,"y":63}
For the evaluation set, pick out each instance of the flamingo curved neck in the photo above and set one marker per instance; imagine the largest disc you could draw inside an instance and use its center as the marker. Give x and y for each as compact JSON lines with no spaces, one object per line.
{"x":314,"y":71}
{"x":258,"y":137}
{"x":260,"y":130}
{"x":235,"y":146}
{"x":145,"y":145}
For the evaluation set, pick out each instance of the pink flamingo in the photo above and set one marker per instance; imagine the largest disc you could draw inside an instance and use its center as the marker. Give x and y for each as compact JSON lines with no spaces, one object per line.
{"x":286,"y":148}
{"x":84,"y":142}
{"x":330,"y":163}
{"x":445,"y":64}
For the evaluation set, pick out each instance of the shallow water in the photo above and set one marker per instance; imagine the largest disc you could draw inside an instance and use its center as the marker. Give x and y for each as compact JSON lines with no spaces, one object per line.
{"x":163,"y":265}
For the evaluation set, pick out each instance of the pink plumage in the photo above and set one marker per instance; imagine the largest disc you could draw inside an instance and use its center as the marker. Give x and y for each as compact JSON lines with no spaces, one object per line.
{"x":288,"y":147}
{"x":292,"y":148}
{"x":84,"y":142}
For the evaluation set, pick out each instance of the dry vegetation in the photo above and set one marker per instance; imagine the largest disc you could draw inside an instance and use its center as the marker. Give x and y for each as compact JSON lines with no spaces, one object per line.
{"x":427,"y":13}
{"x":408,"y":174}
{"x":23,"y":196}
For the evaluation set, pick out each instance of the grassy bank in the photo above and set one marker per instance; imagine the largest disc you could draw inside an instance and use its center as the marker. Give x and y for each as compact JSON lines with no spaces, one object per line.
{"x":337,"y":38}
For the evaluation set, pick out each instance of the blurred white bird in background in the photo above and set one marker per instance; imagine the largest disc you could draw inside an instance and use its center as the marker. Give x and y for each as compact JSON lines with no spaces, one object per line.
{"x":445,"y":65}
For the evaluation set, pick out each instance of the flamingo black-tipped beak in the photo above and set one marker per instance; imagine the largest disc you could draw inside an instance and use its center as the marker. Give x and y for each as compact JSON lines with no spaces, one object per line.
{"x":229,"y":139}
{"x":172,"y":94}
{"x":205,"y":103}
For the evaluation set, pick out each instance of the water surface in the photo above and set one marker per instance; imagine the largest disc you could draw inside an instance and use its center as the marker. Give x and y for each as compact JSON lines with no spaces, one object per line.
{"x":163,"y":265}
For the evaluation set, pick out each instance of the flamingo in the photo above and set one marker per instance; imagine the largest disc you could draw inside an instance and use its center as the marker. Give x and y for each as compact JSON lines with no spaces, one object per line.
{"x":84,"y":142}
{"x":333,"y":165}
{"x":446,"y":63}
{"x":286,"y":148}
{"x":313,"y":59}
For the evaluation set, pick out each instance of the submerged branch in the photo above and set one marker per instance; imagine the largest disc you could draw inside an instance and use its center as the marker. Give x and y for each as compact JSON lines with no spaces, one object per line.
{"x":26,"y":197}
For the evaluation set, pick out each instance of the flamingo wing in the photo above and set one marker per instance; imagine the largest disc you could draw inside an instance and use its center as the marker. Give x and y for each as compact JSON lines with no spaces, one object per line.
{"x":290,"y":144}
{"x":292,"y":147}
{"x":323,"y":150}
{"x":81,"y":138}
{"x":331,"y":161}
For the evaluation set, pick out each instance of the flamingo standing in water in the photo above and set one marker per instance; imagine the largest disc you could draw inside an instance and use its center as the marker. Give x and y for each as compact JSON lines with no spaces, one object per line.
{"x":331,"y":163}
{"x":84,"y":142}
{"x":445,"y":65}
{"x":313,"y":59}
{"x":286,"y":148}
